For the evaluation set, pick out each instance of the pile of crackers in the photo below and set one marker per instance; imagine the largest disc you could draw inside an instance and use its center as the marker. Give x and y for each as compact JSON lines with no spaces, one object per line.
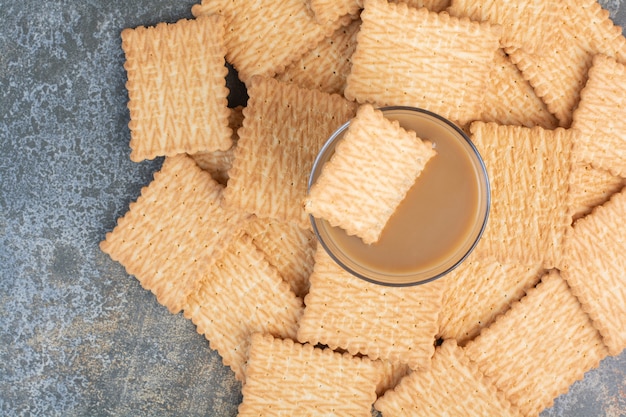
{"x":221,"y":233}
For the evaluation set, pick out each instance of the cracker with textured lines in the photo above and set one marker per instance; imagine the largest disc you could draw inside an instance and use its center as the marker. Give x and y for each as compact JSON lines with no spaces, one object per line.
{"x":529,"y":171}
{"x":177,"y":88}
{"x":595,"y":266}
{"x":263,"y":38}
{"x":452,"y":387}
{"x":283,"y":130}
{"x":541,"y":346}
{"x":242,"y":294}
{"x":414,"y":57}
{"x":601,"y":117}
{"x":331,"y":10}
{"x":373,"y":167}
{"x":170,"y":236}
{"x":396,"y":324}
{"x":285,"y":378}
{"x":590,"y":187}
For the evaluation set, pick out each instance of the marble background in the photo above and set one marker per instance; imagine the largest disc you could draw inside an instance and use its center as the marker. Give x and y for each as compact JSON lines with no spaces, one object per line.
{"x":78,"y":336}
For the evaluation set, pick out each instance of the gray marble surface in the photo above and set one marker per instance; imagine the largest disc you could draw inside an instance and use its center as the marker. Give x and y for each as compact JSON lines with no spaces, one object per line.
{"x":78,"y":336}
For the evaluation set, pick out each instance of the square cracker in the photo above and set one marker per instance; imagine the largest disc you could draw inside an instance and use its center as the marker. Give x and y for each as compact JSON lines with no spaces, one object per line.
{"x":538,"y":348}
{"x":452,"y":387}
{"x":264,"y":37}
{"x":595,"y":265}
{"x":327,"y":66}
{"x":368,"y":176}
{"x":284,"y":378}
{"x":172,"y":233}
{"x":601,"y":117}
{"x":528,"y":170}
{"x":387,"y":323}
{"x":590,"y":187}
{"x":284,"y":128}
{"x":177,"y":88}
{"x":240,"y":295}
{"x":480,"y":290}
{"x":557,"y":53}
{"x":414,"y":57}
{"x":287,"y":247}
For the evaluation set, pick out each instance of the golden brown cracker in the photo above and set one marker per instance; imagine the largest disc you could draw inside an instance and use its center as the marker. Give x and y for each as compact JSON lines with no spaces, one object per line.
{"x":288,"y":248}
{"x":480,"y":290}
{"x":397,"y":324}
{"x":390,"y":374}
{"x":242,"y":294}
{"x":595,"y":265}
{"x":283,"y":130}
{"x":590,"y":187}
{"x":601,"y":117}
{"x":528,"y":170}
{"x":331,"y":10}
{"x":373,"y":167}
{"x":510,"y":99}
{"x":284,"y":378}
{"x":414,"y":57}
{"x":327,"y":66}
{"x":177,"y":88}
{"x":539,"y":347}
{"x":263,"y":38}
{"x":171,"y":234}
{"x":452,"y":387}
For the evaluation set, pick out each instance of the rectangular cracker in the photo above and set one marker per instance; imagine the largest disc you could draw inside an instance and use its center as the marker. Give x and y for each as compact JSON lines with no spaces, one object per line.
{"x":288,"y":248}
{"x":326,"y":67}
{"x":480,"y":290}
{"x":595,"y":266}
{"x":538,"y":348}
{"x":171,"y":234}
{"x":528,"y":170}
{"x":590,"y":187}
{"x":387,"y":323}
{"x":242,"y":294}
{"x":284,"y":128}
{"x":368,"y":176}
{"x":452,"y":387}
{"x":332,"y":10}
{"x":257,"y":27}
{"x":284,"y":378}
{"x":601,"y":117}
{"x":510,"y":99}
{"x":414,"y":57}
{"x":555,"y":56}
{"x":177,"y":88}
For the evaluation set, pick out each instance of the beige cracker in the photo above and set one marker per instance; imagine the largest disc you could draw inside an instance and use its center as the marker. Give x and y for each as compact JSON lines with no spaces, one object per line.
{"x":242,"y":294}
{"x":284,"y":378}
{"x":332,"y":10}
{"x":373,"y":167}
{"x":390,"y":323}
{"x":284,"y":128}
{"x":177,"y":88}
{"x":172,"y":233}
{"x":414,"y":57}
{"x":590,"y":187}
{"x":453,"y":387}
{"x":538,"y":348}
{"x":595,"y":266}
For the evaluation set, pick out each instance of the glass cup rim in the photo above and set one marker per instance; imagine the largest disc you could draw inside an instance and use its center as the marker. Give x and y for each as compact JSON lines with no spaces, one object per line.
{"x":483,"y":170}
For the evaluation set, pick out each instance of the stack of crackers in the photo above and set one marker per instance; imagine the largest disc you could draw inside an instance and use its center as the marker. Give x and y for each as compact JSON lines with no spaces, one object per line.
{"x":222,"y":235}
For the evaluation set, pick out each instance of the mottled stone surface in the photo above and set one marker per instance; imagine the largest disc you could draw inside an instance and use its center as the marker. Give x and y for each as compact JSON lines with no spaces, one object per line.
{"x":78,"y":336}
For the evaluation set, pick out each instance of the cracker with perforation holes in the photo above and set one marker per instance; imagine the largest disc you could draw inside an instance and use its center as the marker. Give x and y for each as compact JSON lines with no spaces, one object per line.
{"x":415,"y":57}
{"x":397,"y":324}
{"x":331,"y":10}
{"x":538,"y":348}
{"x":242,"y":294}
{"x":284,"y":128}
{"x":528,"y":171}
{"x":169,"y":237}
{"x":590,"y":187}
{"x":594,"y":268}
{"x":373,"y":167}
{"x":453,"y":386}
{"x":285,"y":378}
{"x":177,"y":88}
